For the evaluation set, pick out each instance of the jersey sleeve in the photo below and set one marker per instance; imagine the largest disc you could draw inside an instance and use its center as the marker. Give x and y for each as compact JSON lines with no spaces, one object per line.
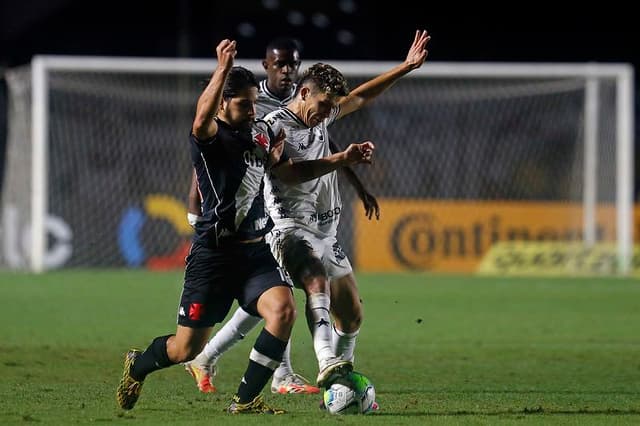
{"x":274,"y":128}
{"x":333,"y":115}
{"x":205,"y":142}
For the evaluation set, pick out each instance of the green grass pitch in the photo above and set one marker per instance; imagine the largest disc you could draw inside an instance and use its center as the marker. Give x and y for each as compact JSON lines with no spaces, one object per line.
{"x":440,"y":350}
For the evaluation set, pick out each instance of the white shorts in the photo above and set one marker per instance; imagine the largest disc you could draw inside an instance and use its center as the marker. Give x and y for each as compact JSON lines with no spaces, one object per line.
{"x":327,"y":249}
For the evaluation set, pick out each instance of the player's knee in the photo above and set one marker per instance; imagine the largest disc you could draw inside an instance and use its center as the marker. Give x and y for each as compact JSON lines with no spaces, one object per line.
{"x":313,"y":268}
{"x":283,"y":314}
{"x":287,"y":315}
{"x":315,"y":284}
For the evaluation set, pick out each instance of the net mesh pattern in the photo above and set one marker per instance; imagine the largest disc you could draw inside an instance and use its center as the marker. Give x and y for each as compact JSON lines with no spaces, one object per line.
{"x":119,"y":165}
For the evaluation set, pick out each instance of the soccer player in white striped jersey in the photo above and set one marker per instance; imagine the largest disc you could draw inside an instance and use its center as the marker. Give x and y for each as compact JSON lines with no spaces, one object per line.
{"x":306,"y":215}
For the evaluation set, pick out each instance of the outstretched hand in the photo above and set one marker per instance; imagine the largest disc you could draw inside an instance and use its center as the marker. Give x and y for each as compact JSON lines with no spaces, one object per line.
{"x":360,"y":152}
{"x":370,"y":203}
{"x":418,"y":52}
{"x":226,"y":52}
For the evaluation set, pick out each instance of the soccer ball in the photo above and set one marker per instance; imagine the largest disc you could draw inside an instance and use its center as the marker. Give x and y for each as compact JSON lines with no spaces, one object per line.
{"x":351,"y":394}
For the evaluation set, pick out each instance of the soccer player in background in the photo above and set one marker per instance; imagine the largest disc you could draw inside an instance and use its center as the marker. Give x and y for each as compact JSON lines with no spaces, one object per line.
{"x":229,"y":259}
{"x":281,"y":64}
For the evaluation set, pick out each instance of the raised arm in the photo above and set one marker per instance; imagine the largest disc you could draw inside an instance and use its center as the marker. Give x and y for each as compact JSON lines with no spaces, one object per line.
{"x":297,"y":172}
{"x":369,"y":90}
{"x":204,"y":125}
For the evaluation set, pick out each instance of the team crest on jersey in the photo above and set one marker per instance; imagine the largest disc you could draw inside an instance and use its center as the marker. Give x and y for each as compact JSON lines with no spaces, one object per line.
{"x":196,"y":310}
{"x":261,"y":139}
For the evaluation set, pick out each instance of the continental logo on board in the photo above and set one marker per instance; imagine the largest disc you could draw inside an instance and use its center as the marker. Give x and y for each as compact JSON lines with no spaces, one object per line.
{"x":522,"y":258}
{"x":452,"y":236}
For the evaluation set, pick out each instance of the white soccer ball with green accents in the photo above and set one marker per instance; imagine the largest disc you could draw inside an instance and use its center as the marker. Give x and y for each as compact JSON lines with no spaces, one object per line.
{"x":351,"y":394}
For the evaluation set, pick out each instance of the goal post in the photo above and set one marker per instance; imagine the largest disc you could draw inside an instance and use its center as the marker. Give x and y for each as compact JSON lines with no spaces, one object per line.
{"x":602,"y":118}
{"x":42,"y":66}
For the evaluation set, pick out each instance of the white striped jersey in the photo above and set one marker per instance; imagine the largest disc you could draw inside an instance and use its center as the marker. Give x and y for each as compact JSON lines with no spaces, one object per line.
{"x":315,"y":204}
{"x":268,"y":102}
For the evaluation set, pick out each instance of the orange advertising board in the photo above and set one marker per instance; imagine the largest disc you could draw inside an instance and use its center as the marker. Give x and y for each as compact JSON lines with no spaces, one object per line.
{"x":454,"y":236}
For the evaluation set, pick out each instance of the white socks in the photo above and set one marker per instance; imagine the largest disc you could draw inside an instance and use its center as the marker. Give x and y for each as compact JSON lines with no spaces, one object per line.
{"x":233,"y":331}
{"x":327,"y":340}
{"x":320,"y":322}
{"x":344,"y":343}
{"x":285,"y":367}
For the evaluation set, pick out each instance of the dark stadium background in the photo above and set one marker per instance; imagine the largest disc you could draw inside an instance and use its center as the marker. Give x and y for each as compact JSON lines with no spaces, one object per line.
{"x":332,"y":29}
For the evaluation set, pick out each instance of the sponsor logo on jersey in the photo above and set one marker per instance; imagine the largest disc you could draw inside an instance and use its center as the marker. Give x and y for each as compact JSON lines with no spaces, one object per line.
{"x":252,"y":160}
{"x":326,"y":216}
{"x":260,"y":223}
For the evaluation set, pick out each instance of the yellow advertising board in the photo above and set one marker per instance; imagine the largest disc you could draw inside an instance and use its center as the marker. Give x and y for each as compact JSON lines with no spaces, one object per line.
{"x":454,"y":236}
{"x":555,"y":258}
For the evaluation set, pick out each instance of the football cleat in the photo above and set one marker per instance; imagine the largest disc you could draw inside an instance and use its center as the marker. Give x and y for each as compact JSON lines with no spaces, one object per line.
{"x":257,"y":406}
{"x":129,"y":389}
{"x":331,"y":369}
{"x":202,"y":374}
{"x":292,"y":383}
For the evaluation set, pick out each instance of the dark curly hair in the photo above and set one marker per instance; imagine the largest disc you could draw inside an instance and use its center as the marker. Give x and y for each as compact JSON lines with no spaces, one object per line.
{"x":325,"y":78}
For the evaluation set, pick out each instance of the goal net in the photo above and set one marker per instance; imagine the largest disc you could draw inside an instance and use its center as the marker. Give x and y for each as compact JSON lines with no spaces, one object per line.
{"x":98,"y":165}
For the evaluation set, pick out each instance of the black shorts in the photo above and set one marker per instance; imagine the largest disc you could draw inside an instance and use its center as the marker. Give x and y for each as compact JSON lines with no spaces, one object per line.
{"x":214,"y":277}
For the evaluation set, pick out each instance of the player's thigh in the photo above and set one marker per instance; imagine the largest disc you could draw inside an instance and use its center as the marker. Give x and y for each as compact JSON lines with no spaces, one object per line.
{"x":206,"y":296}
{"x":333,"y":258}
{"x":266,"y":291}
{"x":300,"y":253}
{"x":262,"y":273}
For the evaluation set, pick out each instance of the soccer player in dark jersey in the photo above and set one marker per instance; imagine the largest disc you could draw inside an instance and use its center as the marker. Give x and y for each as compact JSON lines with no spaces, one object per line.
{"x":229,"y":259}
{"x":281,"y":64}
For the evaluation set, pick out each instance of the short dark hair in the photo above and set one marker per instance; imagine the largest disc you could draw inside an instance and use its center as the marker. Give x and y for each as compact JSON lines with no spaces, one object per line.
{"x":326,"y":79}
{"x":284,"y":43}
{"x":238,"y":79}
